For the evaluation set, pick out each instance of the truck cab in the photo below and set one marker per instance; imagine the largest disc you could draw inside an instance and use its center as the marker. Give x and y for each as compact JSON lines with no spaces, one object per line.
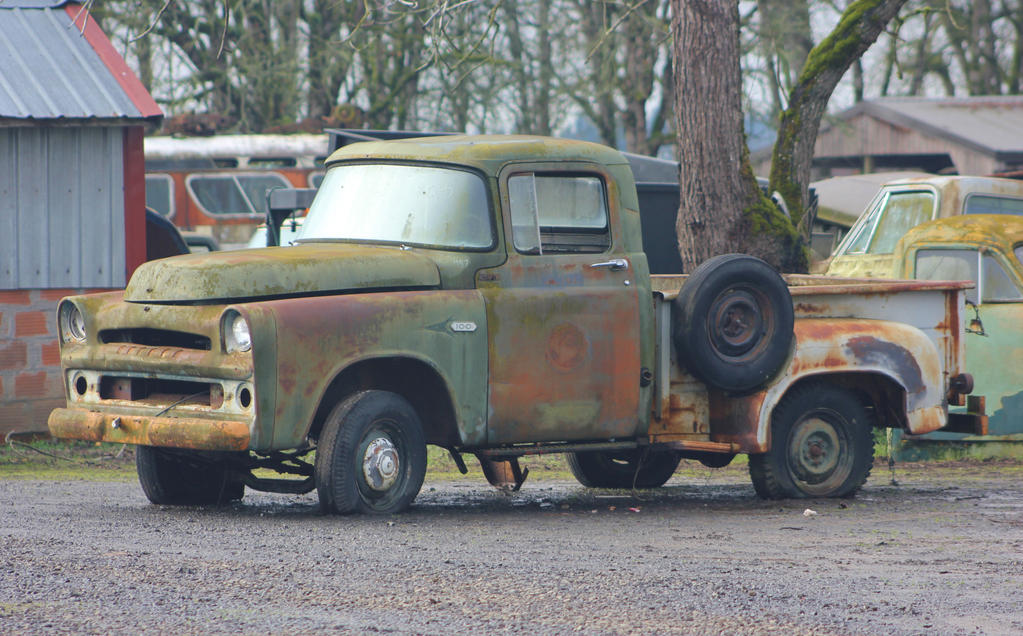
{"x":868,"y":249}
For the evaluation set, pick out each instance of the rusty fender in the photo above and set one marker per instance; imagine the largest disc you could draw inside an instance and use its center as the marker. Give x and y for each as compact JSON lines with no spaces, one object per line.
{"x":320,"y":337}
{"x":897,"y":351}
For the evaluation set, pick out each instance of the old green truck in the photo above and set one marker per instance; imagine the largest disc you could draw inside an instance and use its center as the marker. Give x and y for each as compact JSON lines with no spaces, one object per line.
{"x":491,"y":296}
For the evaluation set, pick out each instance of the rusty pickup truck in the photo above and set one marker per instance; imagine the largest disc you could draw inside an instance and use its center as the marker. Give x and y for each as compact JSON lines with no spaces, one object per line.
{"x":491,"y":296}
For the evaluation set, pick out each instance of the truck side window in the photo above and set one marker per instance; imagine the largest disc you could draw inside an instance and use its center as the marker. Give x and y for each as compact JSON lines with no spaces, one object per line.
{"x":997,"y":286}
{"x":902,"y":211}
{"x":993,"y":283}
{"x":558,"y":213}
{"x":985,"y":204}
{"x":946,"y":264}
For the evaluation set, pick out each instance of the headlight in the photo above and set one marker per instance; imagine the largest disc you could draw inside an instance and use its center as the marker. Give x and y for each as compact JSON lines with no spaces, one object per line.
{"x":72,"y":323}
{"x":237,"y":336}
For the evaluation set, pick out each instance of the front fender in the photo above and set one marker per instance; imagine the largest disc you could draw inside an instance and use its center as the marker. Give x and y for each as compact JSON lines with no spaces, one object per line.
{"x":317,"y":338}
{"x":900,"y":352}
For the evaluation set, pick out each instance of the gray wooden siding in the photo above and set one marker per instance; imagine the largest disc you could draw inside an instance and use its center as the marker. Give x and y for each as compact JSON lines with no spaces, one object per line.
{"x":61,"y":208}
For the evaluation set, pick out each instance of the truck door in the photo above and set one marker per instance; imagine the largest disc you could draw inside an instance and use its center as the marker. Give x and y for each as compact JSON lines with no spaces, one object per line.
{"x":562,"y":311}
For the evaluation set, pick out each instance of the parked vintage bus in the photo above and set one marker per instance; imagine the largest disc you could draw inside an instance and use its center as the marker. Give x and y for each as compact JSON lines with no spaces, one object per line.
{"x":217,"y":185}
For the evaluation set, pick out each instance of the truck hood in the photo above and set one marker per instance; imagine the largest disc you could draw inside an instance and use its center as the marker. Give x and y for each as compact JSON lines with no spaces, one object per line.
{"x":279,"y":271}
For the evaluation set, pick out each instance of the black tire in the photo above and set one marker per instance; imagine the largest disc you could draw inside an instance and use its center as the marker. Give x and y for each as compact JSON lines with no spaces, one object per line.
{"x":733,"y":323}
{"x":822,"y":445}
{"x":184,"y":478}
{"x":371,"y":456}
{"x":639,"y":468}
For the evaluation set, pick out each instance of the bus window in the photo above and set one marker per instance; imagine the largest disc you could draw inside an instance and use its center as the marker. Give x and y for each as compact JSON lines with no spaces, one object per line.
{"x":159,"y":194}
{"x":224,"y":193}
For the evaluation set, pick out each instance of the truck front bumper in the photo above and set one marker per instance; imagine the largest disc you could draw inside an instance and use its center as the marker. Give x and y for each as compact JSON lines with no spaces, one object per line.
{"x":172,"y":432}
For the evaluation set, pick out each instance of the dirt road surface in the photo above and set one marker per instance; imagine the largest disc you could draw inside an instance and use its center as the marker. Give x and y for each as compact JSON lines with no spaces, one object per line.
{"x":940,"y":553}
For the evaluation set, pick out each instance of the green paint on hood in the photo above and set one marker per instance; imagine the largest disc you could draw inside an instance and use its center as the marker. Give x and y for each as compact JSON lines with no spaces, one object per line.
{"x":279,"y":271}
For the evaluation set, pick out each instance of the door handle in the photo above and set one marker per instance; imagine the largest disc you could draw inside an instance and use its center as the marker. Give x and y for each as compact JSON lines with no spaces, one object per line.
{"x":615,"y":264}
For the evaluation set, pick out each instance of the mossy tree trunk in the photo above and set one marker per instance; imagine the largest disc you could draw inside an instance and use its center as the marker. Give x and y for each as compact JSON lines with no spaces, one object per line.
{"x":721,"y":209}
{"x":858,"y":28}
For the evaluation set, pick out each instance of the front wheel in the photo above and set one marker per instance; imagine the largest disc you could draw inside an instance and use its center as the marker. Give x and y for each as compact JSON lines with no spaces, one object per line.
{"x":182,"y":478}
{"x":371,"y":456}
{"x":821,"y":446}
{"x":623,"y":469}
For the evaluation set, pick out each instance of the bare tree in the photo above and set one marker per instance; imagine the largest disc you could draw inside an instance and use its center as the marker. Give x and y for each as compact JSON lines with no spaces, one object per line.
{"x":328,"y":54}
{"x":722,"y":209}
{"x":858,"y":28}
{"x":785,"y":39}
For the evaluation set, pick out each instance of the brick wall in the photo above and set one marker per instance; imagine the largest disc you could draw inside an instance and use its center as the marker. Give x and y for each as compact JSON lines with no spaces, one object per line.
{"x":30,"y":380}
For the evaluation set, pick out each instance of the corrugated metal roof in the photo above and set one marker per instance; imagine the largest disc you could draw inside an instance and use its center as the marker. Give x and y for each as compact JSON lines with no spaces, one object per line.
{"x":53,"y":67}
{"x":993,"y":125}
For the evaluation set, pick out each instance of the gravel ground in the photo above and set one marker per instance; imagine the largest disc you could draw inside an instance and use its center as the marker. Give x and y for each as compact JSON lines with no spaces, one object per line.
{"x":942,"y":552}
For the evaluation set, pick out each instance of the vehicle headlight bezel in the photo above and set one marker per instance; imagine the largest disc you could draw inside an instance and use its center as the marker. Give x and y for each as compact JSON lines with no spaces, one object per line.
{"x":236,"y":332}
{"x":72,"y":323}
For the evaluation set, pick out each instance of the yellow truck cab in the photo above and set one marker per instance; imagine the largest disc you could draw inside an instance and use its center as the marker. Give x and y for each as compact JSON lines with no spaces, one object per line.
{"x":868,"y":250}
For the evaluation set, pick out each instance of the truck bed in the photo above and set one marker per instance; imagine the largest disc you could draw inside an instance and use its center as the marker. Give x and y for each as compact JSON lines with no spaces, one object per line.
{"x":933,"y":309}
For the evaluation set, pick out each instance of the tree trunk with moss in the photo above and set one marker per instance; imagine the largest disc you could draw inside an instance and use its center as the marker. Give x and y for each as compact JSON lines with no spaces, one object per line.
{"x":722,"y":209}
{"x":858,"y":28}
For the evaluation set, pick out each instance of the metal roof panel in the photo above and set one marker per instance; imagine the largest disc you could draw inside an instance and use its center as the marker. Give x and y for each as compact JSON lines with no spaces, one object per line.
{"x":50,"y":67}
{"x":992,"y":124}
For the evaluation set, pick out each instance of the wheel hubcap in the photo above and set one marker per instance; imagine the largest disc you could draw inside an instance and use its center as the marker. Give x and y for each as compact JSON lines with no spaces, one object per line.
{"x":816,"y":450}
{"x":380,"y":464}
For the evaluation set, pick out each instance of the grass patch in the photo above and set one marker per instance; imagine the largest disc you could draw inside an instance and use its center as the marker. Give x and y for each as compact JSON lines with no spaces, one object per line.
{"x":440,"y":466}
{"x":67,"y":461}
{"x":85,"y":461}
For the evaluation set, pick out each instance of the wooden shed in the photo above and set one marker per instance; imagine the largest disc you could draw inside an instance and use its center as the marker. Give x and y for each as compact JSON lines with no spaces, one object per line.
{"x":72,"y":188}
{"x":959,"y":135}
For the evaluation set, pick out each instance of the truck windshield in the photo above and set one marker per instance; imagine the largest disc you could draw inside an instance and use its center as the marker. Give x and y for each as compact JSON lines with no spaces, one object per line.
{"x":424,"y":206}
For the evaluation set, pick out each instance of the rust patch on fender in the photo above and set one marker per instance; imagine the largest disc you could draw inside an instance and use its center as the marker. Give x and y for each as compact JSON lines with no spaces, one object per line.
{"x":889,"y":355}
{"x":735,"y":420}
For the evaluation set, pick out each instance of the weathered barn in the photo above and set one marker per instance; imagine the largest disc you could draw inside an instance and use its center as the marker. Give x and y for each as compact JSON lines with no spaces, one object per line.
{"x":951,"y":135}
{"x":72,"y":187}
{"x":959,"y":135}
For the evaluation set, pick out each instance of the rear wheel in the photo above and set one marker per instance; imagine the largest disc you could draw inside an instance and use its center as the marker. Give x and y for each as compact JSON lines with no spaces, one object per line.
{"x":173,"y":477}
{"x":371,"y":456}
{"x":636,"y":468}
{"x":821,"y":446}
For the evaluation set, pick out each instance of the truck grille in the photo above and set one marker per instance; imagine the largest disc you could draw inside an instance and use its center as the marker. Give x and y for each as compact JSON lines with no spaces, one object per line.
{"x":155,"y":338}
{"x":157,"y":391}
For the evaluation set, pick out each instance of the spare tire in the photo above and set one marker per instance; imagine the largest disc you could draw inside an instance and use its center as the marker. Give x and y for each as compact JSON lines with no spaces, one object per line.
{"x":733,"y":323}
